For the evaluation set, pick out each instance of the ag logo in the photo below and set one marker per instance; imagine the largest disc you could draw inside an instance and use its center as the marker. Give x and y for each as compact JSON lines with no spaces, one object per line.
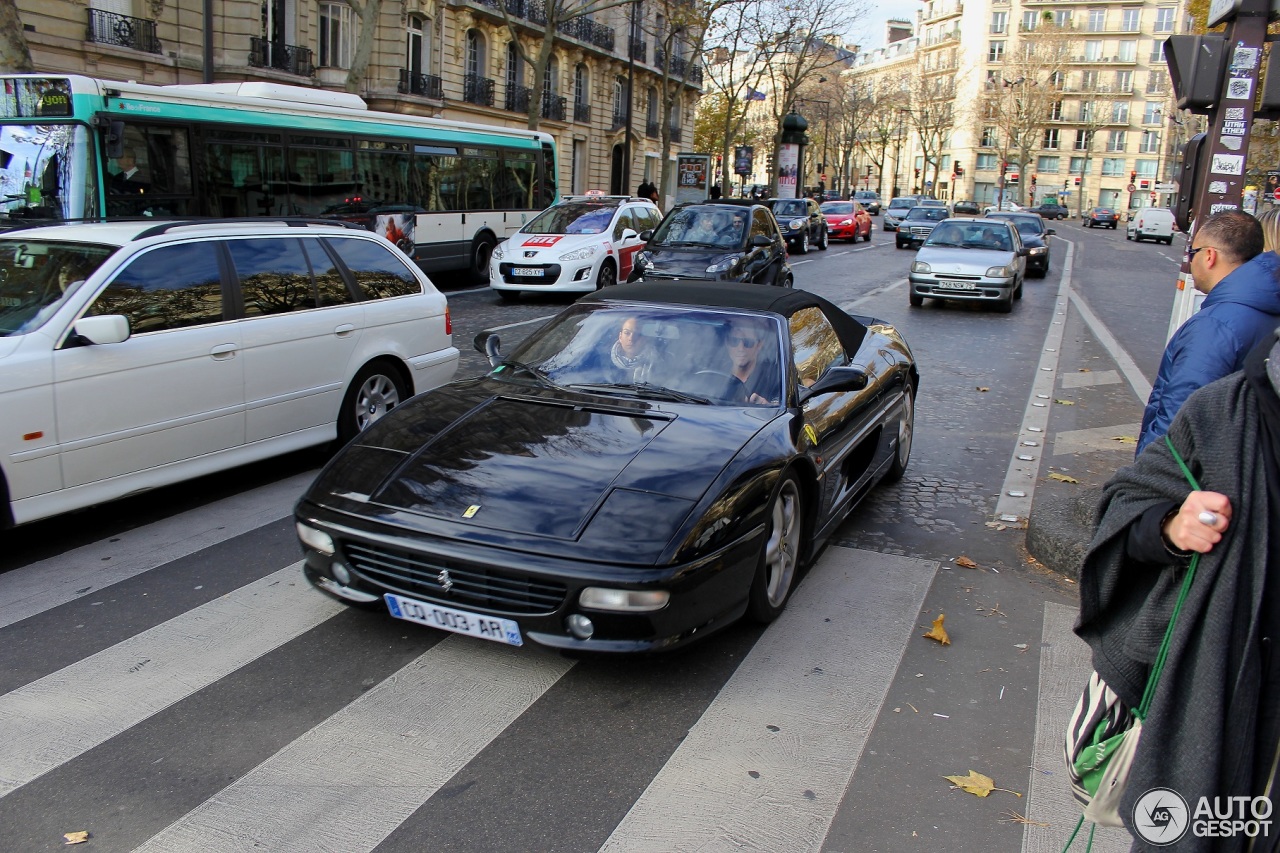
{"x":1161,"y":816}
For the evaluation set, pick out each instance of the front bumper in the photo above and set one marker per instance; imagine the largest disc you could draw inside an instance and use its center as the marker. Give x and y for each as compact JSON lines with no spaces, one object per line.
{"x":539,"y":593}
{"x":570,"y":277}
{"x":1039,"y":263}
{"x":984,"y":289}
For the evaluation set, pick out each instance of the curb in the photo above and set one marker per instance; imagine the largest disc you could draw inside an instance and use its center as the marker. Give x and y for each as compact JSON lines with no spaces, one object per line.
{"x":1060,"y":527}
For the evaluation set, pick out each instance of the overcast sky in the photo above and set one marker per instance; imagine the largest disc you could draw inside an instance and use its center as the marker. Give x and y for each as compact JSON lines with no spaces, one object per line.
{"x":871,"y":34}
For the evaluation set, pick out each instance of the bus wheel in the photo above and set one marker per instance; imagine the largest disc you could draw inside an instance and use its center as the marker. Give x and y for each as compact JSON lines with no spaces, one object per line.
{"x":481,"y":252}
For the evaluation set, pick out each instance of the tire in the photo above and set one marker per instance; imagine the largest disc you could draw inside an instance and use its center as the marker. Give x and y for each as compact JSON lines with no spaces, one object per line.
{"x":1005,"y":306}
{"x":1017,"y":292}
{"x":906,"y":429}
{"x":481,"y":251}
{"x":607,"y":277}
{"x":824,"y":240}
{"x":1113,"y":226}
{"x":376,"y":389}
{"x":1128,"y":236}
{"x":1168,"y":241}
{"x":787,"y":281}
{"x":916,"y":300}
{"x":780,"y":554}
{"x":898,"y":244}
{"x":802,"y":246}
{"x":509,"y":296}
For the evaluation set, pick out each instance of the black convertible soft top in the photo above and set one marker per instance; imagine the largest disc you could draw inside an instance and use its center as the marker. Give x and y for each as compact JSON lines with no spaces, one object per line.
{"x":751,"y":297}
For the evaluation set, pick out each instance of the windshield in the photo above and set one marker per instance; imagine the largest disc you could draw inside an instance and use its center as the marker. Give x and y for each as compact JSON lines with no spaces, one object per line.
{"x":905,"y":203}
{"x":46,"y":172}
{"x":1025,"y":225}
{"x":572,"y":218}
{"x":713,"y":227}
{"x":790,"y":209}
{"x":674,"y":353}
{"x":971,"y":235}
{"x":838,"y":207}
{"x":932,"y":214}
{"x":36,"y":277}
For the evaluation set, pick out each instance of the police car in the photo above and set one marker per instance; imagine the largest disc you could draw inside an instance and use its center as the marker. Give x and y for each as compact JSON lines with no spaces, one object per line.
{"x":581,"y":244}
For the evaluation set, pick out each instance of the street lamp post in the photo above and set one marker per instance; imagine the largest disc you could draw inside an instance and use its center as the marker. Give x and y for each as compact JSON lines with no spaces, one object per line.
{"x":897,"y":150}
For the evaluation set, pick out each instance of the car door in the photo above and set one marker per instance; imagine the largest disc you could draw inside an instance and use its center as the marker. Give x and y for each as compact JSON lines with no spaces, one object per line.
{"x":173,"y":391}
{"x":761,"y":260}
{"x":627,"y":247}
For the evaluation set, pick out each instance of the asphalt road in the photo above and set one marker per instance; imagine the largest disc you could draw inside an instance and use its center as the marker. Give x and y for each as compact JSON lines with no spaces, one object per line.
{"x":169,"y":683}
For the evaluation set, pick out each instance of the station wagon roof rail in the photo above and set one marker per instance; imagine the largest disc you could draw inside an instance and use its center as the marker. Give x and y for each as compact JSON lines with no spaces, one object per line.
{"x":292,"y":222}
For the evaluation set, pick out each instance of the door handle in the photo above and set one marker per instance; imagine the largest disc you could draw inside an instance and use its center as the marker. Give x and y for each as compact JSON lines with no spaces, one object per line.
{"x":344,"y":330}
{"x":222,"y":352}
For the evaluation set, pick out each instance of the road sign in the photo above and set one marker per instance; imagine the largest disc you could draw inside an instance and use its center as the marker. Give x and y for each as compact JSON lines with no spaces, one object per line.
{"x":1132,"y":188}
{"x":929,"y":184}
{"x":1155,"y":197}
{"x":1167,"y":188}
{"x":1276,"y":195}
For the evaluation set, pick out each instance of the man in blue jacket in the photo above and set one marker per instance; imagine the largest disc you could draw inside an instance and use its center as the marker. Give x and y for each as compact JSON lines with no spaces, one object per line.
{"x":1241,"y":307}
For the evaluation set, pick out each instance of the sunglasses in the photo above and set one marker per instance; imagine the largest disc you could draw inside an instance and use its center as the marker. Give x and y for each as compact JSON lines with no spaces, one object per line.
{"x":739,"y":341}
{"x":1191,"y":253}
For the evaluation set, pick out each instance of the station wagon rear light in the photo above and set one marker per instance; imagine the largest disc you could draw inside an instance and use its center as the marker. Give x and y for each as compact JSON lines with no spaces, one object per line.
{"x":448,"y":321}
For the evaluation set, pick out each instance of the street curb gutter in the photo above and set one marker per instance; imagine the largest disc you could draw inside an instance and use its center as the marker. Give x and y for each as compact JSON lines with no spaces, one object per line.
{"x":1060,"y":527}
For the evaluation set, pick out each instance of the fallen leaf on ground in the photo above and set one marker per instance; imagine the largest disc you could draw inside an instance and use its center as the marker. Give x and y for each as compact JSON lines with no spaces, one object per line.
{"x":995,"y":525}
{"x":1015,"y":817}
{"x":76,"y":837}
{"x":937,"y":632}
{"x":1125,"y":439}
{"x":965,"y":562}
{"x":1065,"y":402}
{"x":977,"y":784}
{"x":983,"y":388}
{"x":1084,"y":370}
{"x":1063,"y":478}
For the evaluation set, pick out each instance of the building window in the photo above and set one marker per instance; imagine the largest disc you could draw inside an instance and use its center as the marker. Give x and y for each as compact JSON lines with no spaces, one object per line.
{"x":1164,"y":19}
{"x":1150,"y":142}
{"x":995,"y":51}
{"x":1145,"y":168}
{"x":1112,"y":167}
{"x":1087,"y":110}
{"x":1093,"y":50}
{"x":1057,"y":80}
{"x":1157,"y":50}
{"x":1151,"y":112}
{"x":1084,"y":138}
{"x":1077,"y":165}
{"x":651,"y":108}
{"x":1062,"y":18}
{"x":1055,"y":111}
{"x":551,"y":79}
{"x":999,"y":23}
{"x":1089,"y":81}
{"x":1029,"y":21}
{"x":620,"y":98}
{"x":415,"y":45}
{"x":1120,"y":112}
{"x":1157,"y":83}
{"x":988,"y":137}
{"x":1124,"y":81}
{"x":1128,"y":50}
{"x":335,"y":35}
{"x":1097,"y":21}
{"x":1051,"y":139}
{"x":581,"y":92}
{"x":986,"y":162}
{"x":1130,"y":20}
{"x":1116,"y":140}
{"x":1048,"y":164}
{"x":475,"y":54}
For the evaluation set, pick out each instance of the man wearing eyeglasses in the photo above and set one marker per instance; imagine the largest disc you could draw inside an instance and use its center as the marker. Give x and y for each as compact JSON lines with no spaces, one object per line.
{"x":746,"y":342}
{"x":1241,"y":283}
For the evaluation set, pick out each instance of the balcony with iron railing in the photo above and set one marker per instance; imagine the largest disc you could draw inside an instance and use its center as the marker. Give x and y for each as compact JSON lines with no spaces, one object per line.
{"x":477,"y":90}
{"x":281,"y":57}
{"x":939,"y":9}
{"x":553,"y":107}
{"x":122,"y":31}
{"x":581,"y":28}
{"x":677,"y":134}
{"x":581,"y":112}
{"x":619,"y":119}
{"x":652,"y":129}
{"x":425,"y":85}
{"x":639,"y":49}
{"x":516,"y":98}
{"x":689,"y":71}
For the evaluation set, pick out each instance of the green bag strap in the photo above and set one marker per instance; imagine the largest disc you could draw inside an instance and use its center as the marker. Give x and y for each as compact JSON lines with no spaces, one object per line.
{"x":1141,"y":711}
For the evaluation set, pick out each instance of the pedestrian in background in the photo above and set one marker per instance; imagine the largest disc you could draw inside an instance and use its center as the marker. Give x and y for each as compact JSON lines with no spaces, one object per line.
{"x":645,"y":190}
{"x":1241,"y":307}
{"x":1270,"y":222}
{"x":715,"y":192}
{"x":1213,"y":726}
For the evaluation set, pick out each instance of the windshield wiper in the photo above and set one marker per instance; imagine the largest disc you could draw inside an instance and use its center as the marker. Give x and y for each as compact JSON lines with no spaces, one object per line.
{"x":536,"y":373}
{"x":644,"y":390}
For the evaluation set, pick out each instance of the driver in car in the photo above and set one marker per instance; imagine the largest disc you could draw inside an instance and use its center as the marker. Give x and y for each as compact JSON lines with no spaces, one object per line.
{"x":745,"y":343}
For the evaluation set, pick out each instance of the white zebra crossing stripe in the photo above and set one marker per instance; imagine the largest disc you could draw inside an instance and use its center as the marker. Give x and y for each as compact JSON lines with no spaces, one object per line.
{"x":1065,"y":665}
{"x":49,"y":583}
{"x":51,"y":721}
{"x":767,"y":764}
{"x":349,"y":782}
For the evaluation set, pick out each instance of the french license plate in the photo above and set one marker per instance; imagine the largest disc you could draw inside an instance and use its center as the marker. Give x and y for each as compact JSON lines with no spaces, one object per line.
{"x":533,"y":272}
{"x":958,"y":285}
{"x":457,"y":621}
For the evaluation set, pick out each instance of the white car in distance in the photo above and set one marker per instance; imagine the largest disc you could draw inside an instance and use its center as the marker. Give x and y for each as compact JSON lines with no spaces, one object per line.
{"x":579,"y":245}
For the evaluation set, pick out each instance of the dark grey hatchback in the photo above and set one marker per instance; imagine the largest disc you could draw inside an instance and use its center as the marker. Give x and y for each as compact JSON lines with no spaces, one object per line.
{"x":718,"y":241}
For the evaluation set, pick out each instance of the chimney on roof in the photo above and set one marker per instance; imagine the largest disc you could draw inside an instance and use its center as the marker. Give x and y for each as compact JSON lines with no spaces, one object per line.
{"x":897,"y":29}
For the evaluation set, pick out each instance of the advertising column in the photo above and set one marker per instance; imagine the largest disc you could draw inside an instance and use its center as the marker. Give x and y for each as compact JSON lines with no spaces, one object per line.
{"x":788,"y":169}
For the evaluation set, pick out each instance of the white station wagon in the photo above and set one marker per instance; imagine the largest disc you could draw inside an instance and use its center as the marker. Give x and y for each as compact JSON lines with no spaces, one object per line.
{"x":135,"y":355}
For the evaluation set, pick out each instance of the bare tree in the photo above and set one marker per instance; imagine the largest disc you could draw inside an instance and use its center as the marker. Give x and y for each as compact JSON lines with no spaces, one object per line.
{"x":932,"y":116}
{"x":368,"y":12}
{"x":882,"y":124}
{"x":14,"y":53}
{"x":1094,"y":112}
{"x":732,"y":77}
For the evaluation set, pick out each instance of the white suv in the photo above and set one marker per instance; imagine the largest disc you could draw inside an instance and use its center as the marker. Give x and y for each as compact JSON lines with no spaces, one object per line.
{"x":135,"y":355}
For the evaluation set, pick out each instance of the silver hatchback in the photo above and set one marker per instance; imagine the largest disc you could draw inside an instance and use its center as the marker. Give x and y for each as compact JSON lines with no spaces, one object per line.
{"x":976,"y":260}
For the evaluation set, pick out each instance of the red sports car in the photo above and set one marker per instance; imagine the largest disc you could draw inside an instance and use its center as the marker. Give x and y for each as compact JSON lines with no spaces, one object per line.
{"x":847,"y":220}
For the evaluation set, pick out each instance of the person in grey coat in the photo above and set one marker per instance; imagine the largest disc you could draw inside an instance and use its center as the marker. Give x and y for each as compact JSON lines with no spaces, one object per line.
{"x":1213,"y":728}
{"x":1242,"y":306}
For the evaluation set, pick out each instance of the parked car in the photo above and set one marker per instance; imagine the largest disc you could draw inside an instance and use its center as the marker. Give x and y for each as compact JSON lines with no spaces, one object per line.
{"x":1096,"y":217}
{"x":895,"y":210}
{"x":1151,"y":223}
{"x":915,"y":226}
{"x":1003,"y":207}
{"x":802,"y":223}
{"x":1050,"y":210}
{"x":581,"y":244}
{"x":1035,"y":238}
{"x":726,"y":240}
{"x":847,"y":220}
{"x":967,"y":207}
{"x":974,"y":260}
{"x":666,"y":507}
{"x":138,"y":354}
{"x":870,"y":199}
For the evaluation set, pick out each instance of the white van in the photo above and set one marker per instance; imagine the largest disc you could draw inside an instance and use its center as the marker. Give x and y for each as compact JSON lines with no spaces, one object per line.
{"x":1151,"y":223}
{"x":139,"y":354}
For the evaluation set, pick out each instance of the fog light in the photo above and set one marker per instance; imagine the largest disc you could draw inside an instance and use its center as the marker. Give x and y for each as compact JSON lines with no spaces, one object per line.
{"x":626,"y":600}
{"x":580,"y":626}
{"x":317,"y":540}
{"x":340,"y":573}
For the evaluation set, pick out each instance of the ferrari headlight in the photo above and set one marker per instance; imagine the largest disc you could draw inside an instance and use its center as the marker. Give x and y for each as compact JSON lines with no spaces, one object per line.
{"x":579,"y":254}
{"x":498,"y":254}
{"x":999,"y":272}
{"x":724,"y":264}
{"x":921,"y":266}
{"x":624,"y":600}
{"x":1039,"y":250}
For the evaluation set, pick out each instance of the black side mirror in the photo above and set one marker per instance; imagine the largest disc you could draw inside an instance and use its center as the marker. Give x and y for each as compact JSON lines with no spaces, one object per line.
{"x":761,"y":240}
{"x":850,"y":378}
{"x":489,"y":344}
{"x":1049,"y":232}
{"x":646,"y":235}
{"x":1023,"y":252}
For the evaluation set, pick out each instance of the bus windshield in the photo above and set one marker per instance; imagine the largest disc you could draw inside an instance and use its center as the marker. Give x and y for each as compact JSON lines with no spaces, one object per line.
{"x":46,"y":173}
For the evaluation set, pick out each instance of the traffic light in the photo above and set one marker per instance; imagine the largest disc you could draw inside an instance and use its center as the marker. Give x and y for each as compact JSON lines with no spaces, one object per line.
{"x":1133,"y":176}
{"x":917,"y":173}
{"x":1196,"y":65}
{"x":1004,"y":167}
{"x":958,"y":170}
{"x":1033,"y":180}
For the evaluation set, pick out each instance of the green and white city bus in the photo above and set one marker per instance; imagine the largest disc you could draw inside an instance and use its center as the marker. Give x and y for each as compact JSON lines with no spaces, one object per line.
{"x":447,"y":192}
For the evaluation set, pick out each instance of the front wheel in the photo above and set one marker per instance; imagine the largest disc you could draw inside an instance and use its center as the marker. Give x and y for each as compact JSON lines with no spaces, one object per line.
{"x":607,"y":277}
{"x":780,"y":556}
{"x":802,"y":248}
{"x":916,"y":300}
{"x":376,"y":390}
{"x":823,"y":240}
{"x":906,"y":428}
